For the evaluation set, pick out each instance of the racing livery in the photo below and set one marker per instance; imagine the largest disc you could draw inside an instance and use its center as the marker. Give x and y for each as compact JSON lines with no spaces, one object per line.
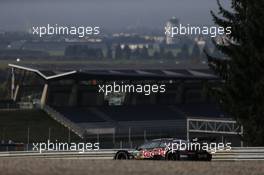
{"x":165,"y":149}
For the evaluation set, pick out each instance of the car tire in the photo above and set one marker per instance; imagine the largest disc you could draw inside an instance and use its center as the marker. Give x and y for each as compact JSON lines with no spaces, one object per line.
{"x":173,"y":156}
{"x":209,"y":157}
{"x":121,"y":155}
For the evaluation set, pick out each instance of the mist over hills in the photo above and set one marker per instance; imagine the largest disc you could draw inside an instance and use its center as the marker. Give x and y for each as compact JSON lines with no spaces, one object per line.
{"x":113,"y":15}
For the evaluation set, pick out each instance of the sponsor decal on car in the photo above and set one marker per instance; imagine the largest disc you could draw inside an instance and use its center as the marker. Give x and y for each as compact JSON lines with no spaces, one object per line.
{"x":154,"y":152}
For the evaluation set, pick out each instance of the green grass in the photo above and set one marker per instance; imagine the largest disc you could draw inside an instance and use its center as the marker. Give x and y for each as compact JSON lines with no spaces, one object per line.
{"x":14,"y":126}
{"x":3,"y":64}
{"x":56,"y":53}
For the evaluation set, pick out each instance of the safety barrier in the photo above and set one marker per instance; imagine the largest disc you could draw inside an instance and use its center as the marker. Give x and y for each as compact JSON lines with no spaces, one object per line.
{"x":240,"y":153}
{"x":236,"y":154}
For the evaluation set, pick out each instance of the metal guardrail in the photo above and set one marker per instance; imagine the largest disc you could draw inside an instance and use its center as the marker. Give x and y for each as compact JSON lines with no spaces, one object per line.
{"x":101,"y":154}
{"x":241,"y":153}
{"x":236,"y":154}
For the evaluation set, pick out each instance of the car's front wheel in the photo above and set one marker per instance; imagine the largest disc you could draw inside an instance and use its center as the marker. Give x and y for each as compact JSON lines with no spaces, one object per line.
{"x":121,"y":155}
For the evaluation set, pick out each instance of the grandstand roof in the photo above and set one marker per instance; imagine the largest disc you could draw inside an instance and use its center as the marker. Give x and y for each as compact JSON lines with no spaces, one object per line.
{"x":122,"y":74}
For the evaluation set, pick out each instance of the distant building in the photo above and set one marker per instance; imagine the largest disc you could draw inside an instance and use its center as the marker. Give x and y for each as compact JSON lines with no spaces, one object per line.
{"x":199,"y":40}
{"x":171,"y":23}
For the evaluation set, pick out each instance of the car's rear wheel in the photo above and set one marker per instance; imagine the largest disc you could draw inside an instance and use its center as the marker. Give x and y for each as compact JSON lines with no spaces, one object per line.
{"x":173,"y":156}
{"x":209,"y":157}
{"x":121,"y":155}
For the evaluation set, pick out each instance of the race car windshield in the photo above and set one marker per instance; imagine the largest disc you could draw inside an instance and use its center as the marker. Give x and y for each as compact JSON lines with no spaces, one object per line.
{"x":149,"y":145}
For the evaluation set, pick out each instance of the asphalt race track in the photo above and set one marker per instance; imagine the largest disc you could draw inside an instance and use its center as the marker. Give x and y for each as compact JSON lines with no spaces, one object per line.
{"x":47,"y":166}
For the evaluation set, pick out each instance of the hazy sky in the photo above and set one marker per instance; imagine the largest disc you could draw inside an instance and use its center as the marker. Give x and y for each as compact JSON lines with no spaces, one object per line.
{"x":109,"y":14}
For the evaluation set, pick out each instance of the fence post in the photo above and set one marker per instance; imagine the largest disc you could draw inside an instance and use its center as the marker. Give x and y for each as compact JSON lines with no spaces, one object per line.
{"x":49,"y":133}
{"x":98,"y":137}
{"x":28,"y":130}
{"x":187,"y":130}
{"x":121,"y":144}
{"x":242,"y":133}
{"x":114,"y":138}
{"x":3,"y":134}
{"x":129,"y":136}
{"x":69,"y":135}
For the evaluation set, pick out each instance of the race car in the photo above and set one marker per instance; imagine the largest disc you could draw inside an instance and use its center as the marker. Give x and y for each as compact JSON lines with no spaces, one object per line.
{"x":165,"y":149}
